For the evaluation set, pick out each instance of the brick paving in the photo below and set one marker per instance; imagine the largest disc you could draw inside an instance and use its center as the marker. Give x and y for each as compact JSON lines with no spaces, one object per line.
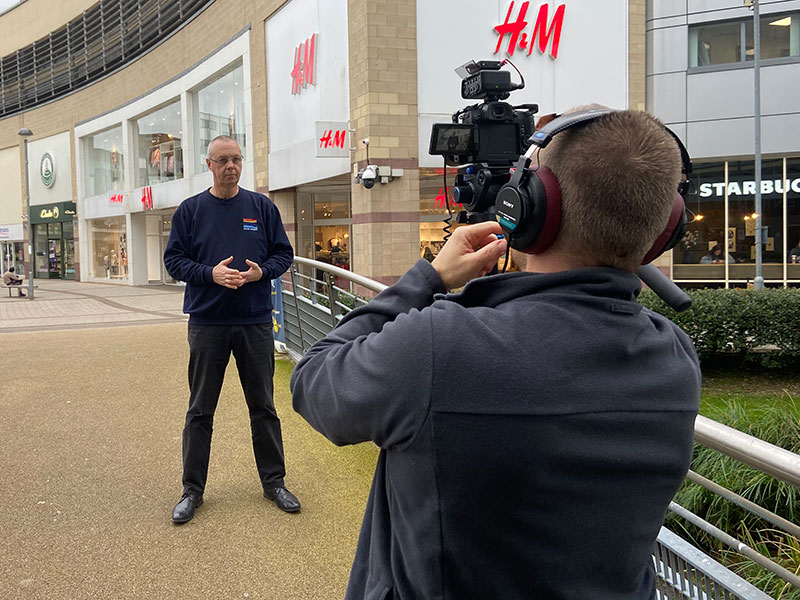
{"x":94,"y":398}
{"x":62,"y":304}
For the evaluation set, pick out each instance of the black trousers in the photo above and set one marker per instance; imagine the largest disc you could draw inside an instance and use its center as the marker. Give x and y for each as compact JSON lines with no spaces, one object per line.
{"x":210,"y":348}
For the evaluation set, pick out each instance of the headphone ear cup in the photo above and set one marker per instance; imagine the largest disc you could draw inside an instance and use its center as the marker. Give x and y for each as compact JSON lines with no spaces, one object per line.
{"x":535,"y":207}
{"x":672,"y":234}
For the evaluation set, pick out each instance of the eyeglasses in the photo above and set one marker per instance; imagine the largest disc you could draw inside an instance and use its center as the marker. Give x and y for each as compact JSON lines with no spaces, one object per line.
{"x":224,"y":160}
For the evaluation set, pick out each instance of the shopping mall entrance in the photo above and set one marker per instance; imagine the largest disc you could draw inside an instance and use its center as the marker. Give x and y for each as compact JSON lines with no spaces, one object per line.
{"x":157,"y":227}
{"x":54,"y":240}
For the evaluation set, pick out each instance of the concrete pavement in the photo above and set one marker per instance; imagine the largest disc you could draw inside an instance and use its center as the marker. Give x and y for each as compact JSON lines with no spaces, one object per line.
{"x":61,"y":304}
{"x":91,"y":413}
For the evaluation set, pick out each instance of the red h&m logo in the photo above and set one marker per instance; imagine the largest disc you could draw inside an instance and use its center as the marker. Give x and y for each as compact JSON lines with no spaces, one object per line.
{"x":147,"y":198}
{"x":518,"y":38}
{"x":303,"y":73}
{"x":117,"y":198}
{"x":333,"y":139}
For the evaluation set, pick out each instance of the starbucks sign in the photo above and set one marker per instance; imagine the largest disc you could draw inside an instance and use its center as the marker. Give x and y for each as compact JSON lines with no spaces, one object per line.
{"x":47,"y":170}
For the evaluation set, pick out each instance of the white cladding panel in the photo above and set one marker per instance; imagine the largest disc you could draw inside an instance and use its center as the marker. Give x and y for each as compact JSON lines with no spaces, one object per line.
{"x":12,"y":202}
{"x":292,"y":117}
{"x":592,"y":62}
{"x":58,"y":147}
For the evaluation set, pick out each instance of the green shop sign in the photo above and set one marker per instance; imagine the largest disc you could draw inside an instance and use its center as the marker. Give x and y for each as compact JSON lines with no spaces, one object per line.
{"x":47,"y":170}
{"x":59,"y":212}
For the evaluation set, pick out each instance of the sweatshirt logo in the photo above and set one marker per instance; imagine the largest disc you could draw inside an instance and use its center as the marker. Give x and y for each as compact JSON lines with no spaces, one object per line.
{"x":250,"y":224}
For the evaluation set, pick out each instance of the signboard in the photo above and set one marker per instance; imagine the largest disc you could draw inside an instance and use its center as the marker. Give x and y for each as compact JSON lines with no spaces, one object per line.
{"x":58,"y":212}
{"x":333,"y":139}
{"x":748,"y":188}
{"x":524,"y":38}
{"x":11,"y":232}
{"x":47,"y":170}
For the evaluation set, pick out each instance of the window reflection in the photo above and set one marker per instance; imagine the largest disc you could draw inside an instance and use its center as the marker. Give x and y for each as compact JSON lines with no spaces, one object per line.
{"x":220,"y":111}
{"x":159,"y":152}
{"x":721,"y":43}
{"x":103,"y":156}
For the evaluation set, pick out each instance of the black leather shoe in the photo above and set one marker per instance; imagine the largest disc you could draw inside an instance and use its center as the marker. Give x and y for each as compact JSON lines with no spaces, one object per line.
{"x":184,"y":510}
{"x":285,"y":499}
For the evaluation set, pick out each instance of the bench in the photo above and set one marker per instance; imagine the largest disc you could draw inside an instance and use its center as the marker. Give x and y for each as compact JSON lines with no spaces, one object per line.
{"x":23,"y":286}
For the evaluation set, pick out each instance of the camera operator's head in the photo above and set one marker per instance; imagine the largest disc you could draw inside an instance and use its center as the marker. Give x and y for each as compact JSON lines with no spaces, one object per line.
{"x":618,"y":175}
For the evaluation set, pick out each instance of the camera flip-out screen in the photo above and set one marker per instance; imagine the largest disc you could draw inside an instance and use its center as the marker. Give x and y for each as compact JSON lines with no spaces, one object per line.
{"x":454,"y":138}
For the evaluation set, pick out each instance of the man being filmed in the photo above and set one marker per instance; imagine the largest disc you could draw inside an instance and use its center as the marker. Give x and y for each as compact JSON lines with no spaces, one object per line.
{"x":533,"y":427}
{"x":227,"y":243}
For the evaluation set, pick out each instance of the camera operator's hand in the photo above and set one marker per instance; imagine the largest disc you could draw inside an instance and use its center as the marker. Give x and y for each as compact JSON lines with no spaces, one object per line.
{"x":472,"y":251}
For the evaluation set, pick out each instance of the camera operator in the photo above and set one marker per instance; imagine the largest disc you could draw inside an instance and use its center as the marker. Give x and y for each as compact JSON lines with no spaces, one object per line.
{"x":533,"y":427}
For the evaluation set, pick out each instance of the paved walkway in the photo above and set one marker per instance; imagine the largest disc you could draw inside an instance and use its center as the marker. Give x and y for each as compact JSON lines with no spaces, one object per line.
{"x":91,"y":413}
{"x":60,"y":304}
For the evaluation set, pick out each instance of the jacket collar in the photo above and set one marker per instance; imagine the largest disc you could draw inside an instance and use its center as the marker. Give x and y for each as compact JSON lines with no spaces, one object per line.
{"x":601,"y":282}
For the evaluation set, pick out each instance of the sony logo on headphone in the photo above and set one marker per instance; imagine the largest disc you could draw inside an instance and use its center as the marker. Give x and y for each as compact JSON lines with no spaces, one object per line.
{"x":508,"y":204}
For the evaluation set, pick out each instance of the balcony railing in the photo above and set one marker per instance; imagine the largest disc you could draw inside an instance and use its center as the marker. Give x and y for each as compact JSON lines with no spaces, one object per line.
{"x":309,"y":290}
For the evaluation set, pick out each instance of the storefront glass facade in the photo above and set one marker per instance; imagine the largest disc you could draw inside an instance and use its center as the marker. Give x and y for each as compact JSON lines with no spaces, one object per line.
{"x":159,"y":156}
{"x":103,"y":162}
{"x":54,"y":240}
{"x":723,"y":211}
{"x":13,"y":254}
{"x":110,"y":248}
{"x":157,"y":228}
{"x":433,"y":209}
{"x":220,"y":111}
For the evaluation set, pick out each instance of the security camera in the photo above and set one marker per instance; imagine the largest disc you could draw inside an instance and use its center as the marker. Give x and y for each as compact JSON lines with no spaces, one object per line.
{"x":369,"y":176}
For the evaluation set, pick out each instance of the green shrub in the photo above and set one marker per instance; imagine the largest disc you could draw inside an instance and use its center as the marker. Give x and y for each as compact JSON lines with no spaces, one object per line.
{"x":758,"y":327}
{"x":778,"y":424}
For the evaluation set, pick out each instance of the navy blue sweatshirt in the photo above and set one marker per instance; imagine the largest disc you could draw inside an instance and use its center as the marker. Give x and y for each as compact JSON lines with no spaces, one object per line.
{"x":207,"y":230}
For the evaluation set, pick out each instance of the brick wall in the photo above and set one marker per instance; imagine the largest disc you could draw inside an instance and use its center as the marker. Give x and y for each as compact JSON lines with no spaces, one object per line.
{"x":383,"y":108}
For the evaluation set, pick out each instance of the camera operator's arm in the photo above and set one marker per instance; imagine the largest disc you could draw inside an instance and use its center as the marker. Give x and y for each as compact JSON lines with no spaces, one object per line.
{"x":370,"y":378}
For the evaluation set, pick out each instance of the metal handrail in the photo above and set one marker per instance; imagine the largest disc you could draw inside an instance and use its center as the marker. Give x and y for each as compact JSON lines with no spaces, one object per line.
{"x":675,"y":573}
{"x":365,"y":282}
{"x":761,"y":455}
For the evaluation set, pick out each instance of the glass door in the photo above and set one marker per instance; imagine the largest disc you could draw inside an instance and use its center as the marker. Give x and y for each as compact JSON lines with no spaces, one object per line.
{"x":54,"y":258}
{"x":69,"y":259}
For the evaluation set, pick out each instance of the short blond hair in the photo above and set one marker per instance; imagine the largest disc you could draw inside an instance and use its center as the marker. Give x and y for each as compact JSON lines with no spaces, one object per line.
{"x":618,"y":177}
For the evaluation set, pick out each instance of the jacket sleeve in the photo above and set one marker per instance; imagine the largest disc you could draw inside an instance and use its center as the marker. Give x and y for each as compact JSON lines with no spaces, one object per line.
{"x":281,"y":253}
{"x":370,"y":378}
{"x":177,"y":255}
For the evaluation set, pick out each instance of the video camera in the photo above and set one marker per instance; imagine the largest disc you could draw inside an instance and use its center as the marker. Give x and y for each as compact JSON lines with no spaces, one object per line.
{"x":484,"y":140}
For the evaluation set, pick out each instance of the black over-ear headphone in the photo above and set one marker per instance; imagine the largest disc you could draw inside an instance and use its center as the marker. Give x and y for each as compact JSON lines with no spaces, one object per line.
{"x":529,"y":205}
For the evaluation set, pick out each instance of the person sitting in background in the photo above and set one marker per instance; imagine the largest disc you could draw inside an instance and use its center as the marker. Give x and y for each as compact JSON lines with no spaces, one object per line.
{"x":11,"y":278}
{"x":714,"y":256}
{"x":794,"y":254}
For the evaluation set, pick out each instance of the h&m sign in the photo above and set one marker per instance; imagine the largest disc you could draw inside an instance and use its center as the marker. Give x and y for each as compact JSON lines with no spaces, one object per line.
{"x":521,"y":37}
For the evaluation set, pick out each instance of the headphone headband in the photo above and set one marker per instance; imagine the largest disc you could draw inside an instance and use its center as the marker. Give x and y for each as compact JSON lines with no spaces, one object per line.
{"x":529,"y":206}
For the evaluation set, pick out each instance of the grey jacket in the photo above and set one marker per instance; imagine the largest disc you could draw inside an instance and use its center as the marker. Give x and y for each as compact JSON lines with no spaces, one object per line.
{"x":533,"y":429}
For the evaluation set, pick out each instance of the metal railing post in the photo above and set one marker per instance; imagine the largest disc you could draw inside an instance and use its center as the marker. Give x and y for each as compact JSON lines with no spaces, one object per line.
{"x":333,"y":296}
{"x":293,"y":273}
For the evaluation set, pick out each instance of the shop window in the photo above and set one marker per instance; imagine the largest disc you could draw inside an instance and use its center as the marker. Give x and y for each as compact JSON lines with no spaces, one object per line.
{"x":40,"y":257}
{"x":432,"y":192}
{"x":220,"y":111}
{"x":793,"y":217}
{"x":159,"y":154}
{"x":103,"y":160}
{"x":110,"y":248}
{"x":733,"y":41}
